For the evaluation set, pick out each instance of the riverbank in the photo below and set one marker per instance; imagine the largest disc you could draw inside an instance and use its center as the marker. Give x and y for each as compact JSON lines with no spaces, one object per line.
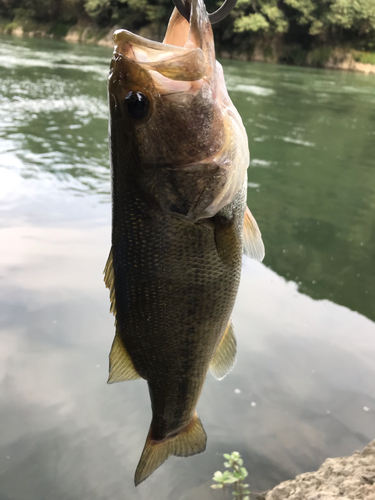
{"x":331,"y":57}
{"x":341,"y":478}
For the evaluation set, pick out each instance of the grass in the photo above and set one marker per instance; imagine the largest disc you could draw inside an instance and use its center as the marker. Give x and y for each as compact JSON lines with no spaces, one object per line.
{"x":319,"y":56}
{"x":293,"y":54}
{"x":60,"y":30}
{"x":363,"y":57}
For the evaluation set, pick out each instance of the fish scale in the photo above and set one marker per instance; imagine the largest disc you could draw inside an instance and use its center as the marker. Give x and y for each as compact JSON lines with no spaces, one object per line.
{"x":179,"y":155}
{"x":196,"y":292}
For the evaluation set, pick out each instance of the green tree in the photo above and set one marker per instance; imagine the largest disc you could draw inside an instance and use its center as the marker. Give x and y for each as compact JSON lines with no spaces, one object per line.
{"x":309,"y":13}
{"x":41,"y":10}
{"x":137,"y":13}
{"x":355,"y":15}
{"x":302,"y":23}
{"x":264,"y":15}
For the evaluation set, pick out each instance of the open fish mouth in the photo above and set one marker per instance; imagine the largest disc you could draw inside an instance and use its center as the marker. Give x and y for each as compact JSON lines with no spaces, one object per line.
{"x":185,"y":55}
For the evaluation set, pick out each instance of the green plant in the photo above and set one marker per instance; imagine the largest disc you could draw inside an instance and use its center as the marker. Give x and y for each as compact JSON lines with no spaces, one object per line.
{"x":319,"y":56}
{"x":234,"y":477}
{"x":293,"y":54}
{"x":364,"y":57}
{"x":60,"y":29}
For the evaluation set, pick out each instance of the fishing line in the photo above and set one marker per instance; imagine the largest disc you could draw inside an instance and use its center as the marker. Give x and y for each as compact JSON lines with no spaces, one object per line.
{"x":215,"y":17}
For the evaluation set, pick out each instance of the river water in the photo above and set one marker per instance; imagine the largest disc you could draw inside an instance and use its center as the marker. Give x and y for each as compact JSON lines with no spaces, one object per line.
{"x":303,"y":387}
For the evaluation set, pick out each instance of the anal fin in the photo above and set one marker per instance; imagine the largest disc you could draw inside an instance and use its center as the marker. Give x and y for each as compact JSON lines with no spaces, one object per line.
{"x":190,"y":440}
{"x":225,"y":356}
{"x":252,"y":238}
{"x":109,"y":280}
{"x":121,"y":367}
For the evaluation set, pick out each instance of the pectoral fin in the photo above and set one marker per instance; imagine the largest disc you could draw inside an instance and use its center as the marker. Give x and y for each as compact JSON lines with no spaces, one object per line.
{"x":226,"y":238}
{"x":225,"y":355}
{"x":121,"y":366}
{"x":252,"y":239}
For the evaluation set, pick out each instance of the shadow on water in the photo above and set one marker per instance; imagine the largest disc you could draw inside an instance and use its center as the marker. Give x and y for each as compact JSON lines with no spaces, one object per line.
{"x":302,"y":388}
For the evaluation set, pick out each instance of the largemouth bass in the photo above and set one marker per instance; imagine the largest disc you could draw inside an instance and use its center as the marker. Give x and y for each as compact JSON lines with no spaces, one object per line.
{"x":179,"y":156}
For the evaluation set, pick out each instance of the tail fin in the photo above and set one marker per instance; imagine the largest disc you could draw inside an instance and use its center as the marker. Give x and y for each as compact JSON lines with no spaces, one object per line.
{"x":190,"y":441}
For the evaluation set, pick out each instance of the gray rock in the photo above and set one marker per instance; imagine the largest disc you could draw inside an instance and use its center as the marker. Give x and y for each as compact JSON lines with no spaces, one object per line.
{"x":343,"y":478}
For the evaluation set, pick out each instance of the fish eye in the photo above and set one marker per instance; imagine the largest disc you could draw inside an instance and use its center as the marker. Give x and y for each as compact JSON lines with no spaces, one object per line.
{"x":137,"y":105}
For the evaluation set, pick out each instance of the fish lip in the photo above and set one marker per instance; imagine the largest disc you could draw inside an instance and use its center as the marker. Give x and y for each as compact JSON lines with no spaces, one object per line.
{"x":125,"y":36}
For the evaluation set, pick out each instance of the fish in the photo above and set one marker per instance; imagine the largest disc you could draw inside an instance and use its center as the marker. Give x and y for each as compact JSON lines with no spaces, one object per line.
{"x":179,"y":156}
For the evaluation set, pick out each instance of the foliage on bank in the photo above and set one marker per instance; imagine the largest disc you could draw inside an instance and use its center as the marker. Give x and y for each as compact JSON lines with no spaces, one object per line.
{"x":286,"y":30}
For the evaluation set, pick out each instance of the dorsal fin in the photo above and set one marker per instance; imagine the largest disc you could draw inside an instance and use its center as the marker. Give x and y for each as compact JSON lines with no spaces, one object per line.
{"x":252,"y":239}
{"x":225,"y":355}
{"x":121,"y":367}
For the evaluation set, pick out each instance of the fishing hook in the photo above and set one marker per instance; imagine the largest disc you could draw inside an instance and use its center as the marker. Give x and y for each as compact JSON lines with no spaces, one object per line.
{"x":214,"y":17}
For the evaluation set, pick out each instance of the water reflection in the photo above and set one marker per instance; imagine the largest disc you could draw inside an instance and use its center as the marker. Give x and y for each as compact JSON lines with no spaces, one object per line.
{"x":312,"y":143}
{"x":303,"y":381}
{"x":297,"y":394}
{"x":314,"y":138}
{"x":54,"y":112}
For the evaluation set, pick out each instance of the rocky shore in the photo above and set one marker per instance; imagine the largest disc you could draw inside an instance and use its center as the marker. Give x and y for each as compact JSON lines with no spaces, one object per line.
{"x":343,"y":478}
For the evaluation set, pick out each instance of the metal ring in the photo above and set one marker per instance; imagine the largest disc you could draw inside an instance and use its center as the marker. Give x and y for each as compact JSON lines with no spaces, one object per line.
{"x":217,"y":16}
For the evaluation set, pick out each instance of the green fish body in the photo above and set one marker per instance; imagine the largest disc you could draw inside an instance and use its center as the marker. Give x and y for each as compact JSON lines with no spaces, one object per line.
{"x":178,"y":164}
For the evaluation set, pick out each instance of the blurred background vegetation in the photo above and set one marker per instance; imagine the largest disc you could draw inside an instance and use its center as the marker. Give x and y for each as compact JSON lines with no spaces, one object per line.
{"x":288,"y":31}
